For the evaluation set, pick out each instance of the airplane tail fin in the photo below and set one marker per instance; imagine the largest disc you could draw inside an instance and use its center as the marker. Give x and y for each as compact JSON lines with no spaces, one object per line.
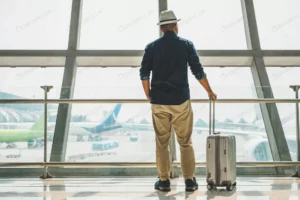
{"x":112,"y":118}
{"x":108,"y":123}
{"x":38,"y":125}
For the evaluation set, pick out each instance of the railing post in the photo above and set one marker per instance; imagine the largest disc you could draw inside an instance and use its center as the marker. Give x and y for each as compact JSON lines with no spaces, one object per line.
{"x":46,"y":89}
{"x":296,"y":90}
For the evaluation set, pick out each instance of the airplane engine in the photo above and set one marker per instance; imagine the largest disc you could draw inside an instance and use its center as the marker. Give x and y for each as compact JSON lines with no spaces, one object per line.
{"x":257,"y":150}
{"x":35,"y":143}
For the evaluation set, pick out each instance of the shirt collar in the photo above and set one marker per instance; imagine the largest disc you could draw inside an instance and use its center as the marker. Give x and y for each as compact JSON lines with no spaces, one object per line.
{"x":170,"y":34}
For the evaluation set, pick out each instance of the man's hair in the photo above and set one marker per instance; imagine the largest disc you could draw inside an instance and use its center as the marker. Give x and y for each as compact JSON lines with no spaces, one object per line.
{"x":167,"y":27}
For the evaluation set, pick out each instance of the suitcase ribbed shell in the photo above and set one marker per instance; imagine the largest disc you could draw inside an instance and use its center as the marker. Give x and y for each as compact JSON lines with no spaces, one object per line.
{"x":221,"y":160}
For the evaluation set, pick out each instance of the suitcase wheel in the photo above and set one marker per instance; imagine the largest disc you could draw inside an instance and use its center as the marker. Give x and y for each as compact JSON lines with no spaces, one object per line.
{"x":209,"y":186}
{"x":230,"y":187}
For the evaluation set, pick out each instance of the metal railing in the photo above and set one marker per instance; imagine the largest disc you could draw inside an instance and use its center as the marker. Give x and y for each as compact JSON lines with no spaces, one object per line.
{"x":47,"y":164}
{"x":98,"y":101}
{"x":139,"y":164}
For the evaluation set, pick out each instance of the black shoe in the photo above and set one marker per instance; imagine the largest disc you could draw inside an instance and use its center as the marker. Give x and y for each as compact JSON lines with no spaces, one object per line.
{"x":191,"y":185}
{"x":163,"y":185}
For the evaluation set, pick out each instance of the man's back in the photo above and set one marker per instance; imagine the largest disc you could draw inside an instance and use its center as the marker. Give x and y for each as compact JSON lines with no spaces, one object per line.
{"x":167,"y":58}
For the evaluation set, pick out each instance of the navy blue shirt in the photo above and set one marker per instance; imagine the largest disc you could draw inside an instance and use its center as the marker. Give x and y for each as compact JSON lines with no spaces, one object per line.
{"x":168,"y":58}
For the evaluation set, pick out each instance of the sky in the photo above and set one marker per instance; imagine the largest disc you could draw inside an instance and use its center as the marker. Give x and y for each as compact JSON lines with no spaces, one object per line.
{"x":131,"y":24}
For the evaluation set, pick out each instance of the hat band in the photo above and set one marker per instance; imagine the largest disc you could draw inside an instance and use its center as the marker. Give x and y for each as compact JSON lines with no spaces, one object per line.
{"x":168,"y":20}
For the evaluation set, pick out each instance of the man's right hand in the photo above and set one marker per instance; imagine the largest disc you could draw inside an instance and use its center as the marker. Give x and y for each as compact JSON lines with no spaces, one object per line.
{"x":205,"y":84}
{"x":212,"y":96}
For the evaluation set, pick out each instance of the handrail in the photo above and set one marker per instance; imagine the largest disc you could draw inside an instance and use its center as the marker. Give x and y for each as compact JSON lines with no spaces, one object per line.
{"x":55,"y":101}
{"x":119,"y":164}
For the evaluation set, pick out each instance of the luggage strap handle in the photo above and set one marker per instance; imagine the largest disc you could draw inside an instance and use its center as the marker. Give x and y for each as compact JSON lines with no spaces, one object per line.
{"x":211,"y":117}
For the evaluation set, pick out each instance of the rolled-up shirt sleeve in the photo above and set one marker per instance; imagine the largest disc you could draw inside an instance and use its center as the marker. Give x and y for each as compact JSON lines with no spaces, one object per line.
{"x":146,"y":65}
{"x":194,"y":62}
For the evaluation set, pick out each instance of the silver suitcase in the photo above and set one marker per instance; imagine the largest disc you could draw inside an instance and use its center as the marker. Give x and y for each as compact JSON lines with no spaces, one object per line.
{"x":220,"y":157}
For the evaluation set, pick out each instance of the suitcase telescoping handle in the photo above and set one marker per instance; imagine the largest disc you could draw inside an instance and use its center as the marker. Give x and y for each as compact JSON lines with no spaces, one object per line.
{"x":211,"y":117}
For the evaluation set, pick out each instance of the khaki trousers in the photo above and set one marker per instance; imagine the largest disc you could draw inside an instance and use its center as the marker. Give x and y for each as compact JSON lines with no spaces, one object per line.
{"x":181,"y":118}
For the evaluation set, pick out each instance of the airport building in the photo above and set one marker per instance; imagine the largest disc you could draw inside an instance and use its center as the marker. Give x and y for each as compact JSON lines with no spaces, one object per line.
{"x":74,"y":119}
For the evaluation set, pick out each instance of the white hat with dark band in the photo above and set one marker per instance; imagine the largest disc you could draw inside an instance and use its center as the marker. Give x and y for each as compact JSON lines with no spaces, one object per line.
{"x":167,"y":17}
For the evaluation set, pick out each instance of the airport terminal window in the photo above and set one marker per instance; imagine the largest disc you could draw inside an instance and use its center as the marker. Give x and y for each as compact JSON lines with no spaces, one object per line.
{"x":124,"y":132}
{"x":26,"y":81}
{"x":281,"y":78}
{"x":112,"y":133}
{"x":280,"y":28}
{"x":118,"y":24}
{"x":124,"y":83}
{"x":223,"y":81}
{"x":108,"y":83}
{"x":241,"y":120}
{"x":22,"y":125}
{"x":211,"y":24}
{"x":34,"y":24}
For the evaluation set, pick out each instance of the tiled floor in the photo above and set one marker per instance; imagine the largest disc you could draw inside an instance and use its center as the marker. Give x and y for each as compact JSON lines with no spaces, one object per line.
{"x":264,"y":188}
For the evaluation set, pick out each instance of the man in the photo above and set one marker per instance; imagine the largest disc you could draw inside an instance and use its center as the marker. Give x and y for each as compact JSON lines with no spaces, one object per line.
{"x":167,"y":58}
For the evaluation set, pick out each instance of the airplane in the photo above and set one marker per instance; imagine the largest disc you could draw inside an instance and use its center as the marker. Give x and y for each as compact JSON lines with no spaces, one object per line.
{"x":34,"y":135}
{"x":256,"y":139}
{"x":110,"y":123}
{"x":253,"y":142}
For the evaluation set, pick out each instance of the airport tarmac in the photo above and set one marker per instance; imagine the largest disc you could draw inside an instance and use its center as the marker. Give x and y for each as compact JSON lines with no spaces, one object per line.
{"x":142,"y":150}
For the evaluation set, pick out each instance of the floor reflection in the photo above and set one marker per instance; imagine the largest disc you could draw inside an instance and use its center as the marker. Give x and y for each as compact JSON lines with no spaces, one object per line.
{"x":142,"y":188}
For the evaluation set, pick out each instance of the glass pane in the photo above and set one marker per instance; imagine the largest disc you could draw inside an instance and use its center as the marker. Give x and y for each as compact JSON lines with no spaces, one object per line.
{"x":124,"y":83}
{"x":118,"y":24}
{"x":35,"y":24}
{"x":278,"y":27}
{"x":22,"y":125}
{"x":224,"y":83}
{"x":124,"y":132}
{"x":108,"y":83}
{"x":25,"y":82}
{"x":111,"y":133}
{"x":136,"y":119}
{"x":281,"y":79}
{"x":22,"y":131}
{"x":211,"y":24}
{"x":241,"y":120}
